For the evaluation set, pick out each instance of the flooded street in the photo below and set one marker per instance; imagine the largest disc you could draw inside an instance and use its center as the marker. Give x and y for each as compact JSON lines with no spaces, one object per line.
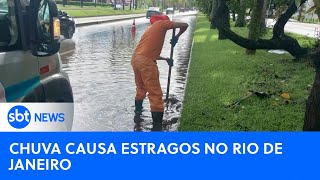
{"x":97,"y":61}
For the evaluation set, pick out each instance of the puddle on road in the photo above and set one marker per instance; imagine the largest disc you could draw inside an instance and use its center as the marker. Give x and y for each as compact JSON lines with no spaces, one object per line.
{"x":103,"y":82}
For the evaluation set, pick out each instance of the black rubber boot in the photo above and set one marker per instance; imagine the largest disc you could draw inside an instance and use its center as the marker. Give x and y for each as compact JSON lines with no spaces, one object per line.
{"x":138,"y":107}
{"x":157,"y":121}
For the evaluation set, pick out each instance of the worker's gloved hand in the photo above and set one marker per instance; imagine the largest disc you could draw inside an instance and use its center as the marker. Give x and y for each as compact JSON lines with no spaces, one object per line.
{"x":174,"y":41}
{"x":170,"y":62}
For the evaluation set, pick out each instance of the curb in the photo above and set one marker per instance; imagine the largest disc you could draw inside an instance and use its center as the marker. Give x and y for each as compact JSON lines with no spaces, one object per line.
{"x":107,"y":21}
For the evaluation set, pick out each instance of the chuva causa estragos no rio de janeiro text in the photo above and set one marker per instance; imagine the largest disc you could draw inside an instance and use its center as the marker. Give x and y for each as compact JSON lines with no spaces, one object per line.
{"x":21,"y":151}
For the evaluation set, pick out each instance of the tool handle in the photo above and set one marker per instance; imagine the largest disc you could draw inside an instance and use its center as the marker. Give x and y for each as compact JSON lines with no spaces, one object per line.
{"x":169,"y":74}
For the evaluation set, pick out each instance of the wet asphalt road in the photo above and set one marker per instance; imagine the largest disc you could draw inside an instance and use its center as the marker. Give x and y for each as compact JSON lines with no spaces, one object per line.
{"x":97,"y":61}
{"x":305,"y":29}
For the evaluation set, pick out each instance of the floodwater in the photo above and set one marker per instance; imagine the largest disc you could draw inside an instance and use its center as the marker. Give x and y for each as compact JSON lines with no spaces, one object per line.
{"x":97,"y":61}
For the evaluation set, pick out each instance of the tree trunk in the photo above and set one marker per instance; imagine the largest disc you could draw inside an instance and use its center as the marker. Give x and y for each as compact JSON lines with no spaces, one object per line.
{"x":115,"y":5}
{"x":225,"y":18}
{"x":264,"y":16}
{"x":214,"y":6}
{"x":233,"y":16}
{"x":130,"y":4}
{"x":122,"y":4}
{"x":312,"y":114}
{"x":255,"y":23}
{"x":241,"y":20}
{"x":300,"y":12}
{"x":64,"y":3}
{"x":317,"y":11}
{"x":136,"y":4}
{"x":81,"y":3}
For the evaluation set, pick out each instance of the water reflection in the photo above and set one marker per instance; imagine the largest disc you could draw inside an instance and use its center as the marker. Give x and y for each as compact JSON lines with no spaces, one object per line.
{"x":103,"y":82}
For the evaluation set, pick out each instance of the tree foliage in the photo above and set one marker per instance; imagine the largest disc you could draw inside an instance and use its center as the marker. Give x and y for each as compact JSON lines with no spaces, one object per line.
{"x":315,"y":8}
{"x":204,"y":6}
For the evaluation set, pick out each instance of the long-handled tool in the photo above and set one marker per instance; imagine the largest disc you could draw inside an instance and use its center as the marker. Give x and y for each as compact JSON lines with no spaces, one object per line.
{"x":169,"y":74}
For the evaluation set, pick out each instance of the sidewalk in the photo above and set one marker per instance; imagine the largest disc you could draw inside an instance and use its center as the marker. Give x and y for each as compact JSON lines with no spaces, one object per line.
{"x":103,"y":19}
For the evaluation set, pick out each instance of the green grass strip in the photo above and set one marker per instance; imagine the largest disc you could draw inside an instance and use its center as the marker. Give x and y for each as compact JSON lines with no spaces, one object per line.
{"x":221,"y":72}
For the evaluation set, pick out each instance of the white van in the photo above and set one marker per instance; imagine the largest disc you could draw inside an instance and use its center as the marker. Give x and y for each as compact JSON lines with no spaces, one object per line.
{"x":30,"y":65}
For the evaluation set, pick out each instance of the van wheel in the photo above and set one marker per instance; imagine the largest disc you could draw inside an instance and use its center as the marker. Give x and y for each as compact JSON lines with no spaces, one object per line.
{"x":69,"y":33}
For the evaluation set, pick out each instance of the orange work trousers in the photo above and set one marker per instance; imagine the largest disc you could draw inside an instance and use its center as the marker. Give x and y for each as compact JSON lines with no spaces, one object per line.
{"x":146,"y":75}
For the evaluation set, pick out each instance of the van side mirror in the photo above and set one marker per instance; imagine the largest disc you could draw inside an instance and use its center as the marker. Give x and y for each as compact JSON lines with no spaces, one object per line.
{"x":46,"y":29}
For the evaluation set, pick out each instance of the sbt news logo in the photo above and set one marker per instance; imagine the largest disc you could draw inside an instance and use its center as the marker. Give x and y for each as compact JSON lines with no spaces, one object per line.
{"x":19,"y":117}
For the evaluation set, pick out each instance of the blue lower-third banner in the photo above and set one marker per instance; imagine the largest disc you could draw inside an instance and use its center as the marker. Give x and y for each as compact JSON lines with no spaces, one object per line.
{"x":216,"y":155}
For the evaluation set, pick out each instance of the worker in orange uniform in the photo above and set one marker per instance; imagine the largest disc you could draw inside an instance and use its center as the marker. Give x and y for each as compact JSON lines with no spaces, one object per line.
{"x":145,"y":68}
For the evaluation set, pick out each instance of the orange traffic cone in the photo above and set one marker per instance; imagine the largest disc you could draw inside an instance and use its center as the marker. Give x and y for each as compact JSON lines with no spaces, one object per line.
{"x":133,"y":28}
